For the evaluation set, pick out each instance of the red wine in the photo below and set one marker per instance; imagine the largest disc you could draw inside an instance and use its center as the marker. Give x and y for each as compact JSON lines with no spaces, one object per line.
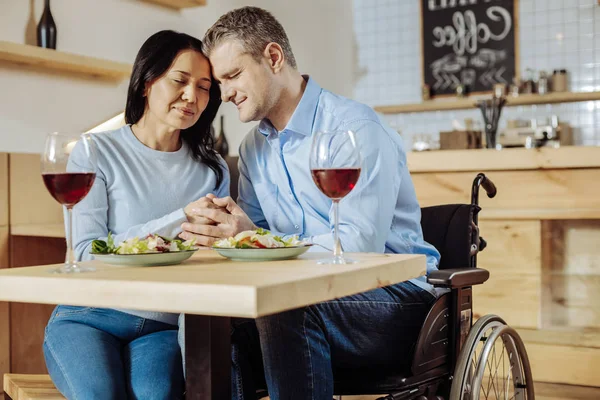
{"x":335,"y":183}
{"x":69,"y":188}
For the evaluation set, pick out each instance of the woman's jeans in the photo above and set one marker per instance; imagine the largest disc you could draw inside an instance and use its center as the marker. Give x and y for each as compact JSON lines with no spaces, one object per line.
{"x":300,"y":350}
{"x":97,"y":353}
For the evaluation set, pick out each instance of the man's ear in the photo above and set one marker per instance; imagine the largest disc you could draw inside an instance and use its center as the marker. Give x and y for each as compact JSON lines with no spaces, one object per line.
{"x":274,"y":54}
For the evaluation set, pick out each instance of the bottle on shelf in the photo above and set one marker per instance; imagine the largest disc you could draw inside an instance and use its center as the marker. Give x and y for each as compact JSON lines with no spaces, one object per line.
{"x":46,"y":29}
{"x":221,"y":145}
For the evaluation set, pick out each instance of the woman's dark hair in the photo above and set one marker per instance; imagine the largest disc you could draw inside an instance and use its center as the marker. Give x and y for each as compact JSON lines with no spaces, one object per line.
{"x":154,"y":58}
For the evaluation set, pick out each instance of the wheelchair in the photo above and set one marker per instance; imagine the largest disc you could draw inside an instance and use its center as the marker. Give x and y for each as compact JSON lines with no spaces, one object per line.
{"x":453,"y":359}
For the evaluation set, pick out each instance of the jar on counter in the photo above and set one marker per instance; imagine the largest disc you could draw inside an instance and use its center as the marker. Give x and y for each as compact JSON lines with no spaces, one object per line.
{"x":559,"y":80}
{"x":542,"y":85}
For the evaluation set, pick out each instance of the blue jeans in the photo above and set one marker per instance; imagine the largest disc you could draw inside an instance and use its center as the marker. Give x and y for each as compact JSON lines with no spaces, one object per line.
{"x":96,"y":353}
{"x":302,"y":348}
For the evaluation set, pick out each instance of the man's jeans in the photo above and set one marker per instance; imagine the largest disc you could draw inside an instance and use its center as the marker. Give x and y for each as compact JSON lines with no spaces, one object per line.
{"x":96,"y":353}
{"x":302,"y":348}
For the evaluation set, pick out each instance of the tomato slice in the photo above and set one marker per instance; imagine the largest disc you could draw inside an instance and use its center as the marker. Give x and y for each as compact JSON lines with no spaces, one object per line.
{"x":259,"y":244}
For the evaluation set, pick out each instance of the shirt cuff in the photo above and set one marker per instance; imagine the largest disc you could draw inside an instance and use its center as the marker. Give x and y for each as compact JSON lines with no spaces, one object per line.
{"x":174,"y":221}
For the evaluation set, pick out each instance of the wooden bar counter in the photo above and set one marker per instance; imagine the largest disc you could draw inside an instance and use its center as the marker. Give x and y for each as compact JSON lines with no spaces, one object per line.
{"x":543,"y":233}
{"x":543,"y":254}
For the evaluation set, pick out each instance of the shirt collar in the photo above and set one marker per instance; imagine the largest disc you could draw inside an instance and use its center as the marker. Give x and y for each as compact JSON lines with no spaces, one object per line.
{"x":304,"y":115}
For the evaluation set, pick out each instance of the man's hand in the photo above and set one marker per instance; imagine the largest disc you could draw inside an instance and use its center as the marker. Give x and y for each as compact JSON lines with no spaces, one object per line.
{"x":202,"y":202}
{"x":230,"y":220}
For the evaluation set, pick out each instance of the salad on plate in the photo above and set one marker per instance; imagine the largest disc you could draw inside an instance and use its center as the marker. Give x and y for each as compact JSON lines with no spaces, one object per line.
{"x":259,"y":239}
{"x":151,"y":244}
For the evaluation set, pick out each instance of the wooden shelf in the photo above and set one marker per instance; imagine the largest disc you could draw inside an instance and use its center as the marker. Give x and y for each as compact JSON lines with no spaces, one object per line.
{"x":63,"y":62}
{"x":39,"y":230}
{"x":178,"y":4}
{"x":468,"y":103}
{"x":503,"y":160}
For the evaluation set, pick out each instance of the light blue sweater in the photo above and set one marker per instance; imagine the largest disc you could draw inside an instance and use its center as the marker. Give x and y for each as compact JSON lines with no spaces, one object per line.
{"x":139,"y":191}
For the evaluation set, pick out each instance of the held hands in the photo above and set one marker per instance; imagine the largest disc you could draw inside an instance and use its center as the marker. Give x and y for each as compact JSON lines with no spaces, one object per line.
{"x":212,"y":218}
{"x":202,"y":202}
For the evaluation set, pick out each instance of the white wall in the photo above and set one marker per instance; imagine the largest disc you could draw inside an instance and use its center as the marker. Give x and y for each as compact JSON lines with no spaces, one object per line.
{"x":33,"y":103}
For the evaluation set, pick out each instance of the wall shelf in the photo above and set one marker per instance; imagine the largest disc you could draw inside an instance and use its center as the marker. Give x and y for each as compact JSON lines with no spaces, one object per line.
{"x":468,"y":103}
{"x":38,"y":230}
{"x":178,"y":4}
{"x":59,"y":61}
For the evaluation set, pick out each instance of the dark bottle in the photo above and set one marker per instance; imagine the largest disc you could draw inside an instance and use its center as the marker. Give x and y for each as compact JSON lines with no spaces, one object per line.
{"x":221,"y":145}
{"x":46,"y":29}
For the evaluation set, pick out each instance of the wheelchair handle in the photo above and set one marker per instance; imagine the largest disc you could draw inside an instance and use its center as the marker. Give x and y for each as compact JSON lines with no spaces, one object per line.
{"x":486,"y":183}
{"x":489,"y":187}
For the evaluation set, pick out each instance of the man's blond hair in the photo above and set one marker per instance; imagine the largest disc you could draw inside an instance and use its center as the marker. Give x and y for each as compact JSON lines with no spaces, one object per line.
{"x":253,"y":28}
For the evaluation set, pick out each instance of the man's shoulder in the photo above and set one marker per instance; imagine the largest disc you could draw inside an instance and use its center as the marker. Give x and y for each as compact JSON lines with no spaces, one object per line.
{"x":340,"y":110}
{"x":252,"y":141}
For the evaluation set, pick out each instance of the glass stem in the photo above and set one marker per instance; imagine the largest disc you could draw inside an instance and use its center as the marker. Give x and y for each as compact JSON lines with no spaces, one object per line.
{"x":337,"y":247}
{"x":71,"y":263}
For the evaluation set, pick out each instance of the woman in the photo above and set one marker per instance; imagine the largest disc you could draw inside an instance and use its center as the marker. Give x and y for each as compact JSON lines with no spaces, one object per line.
{"x":151,"y":174}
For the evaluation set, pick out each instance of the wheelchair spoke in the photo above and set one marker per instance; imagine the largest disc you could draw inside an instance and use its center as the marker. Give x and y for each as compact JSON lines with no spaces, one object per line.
{"x":504,"y":388}
{"x":500,"y":360}
{"x":496,"y":383}
{"x":493,"y":374}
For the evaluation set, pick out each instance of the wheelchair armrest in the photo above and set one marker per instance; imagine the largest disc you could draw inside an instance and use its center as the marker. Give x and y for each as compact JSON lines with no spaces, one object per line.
{"x":459,"y":277}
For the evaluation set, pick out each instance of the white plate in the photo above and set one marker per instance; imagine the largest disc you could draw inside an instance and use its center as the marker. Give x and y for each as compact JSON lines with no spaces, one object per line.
{"x":146,"y":260}
{"x":278,"y":253}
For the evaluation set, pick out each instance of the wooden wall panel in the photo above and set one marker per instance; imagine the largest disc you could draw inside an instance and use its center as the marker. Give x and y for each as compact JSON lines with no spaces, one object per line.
{"x":513,"y":257}
{"x":3,"y":189}
{"x":4,"y":308}
{"x":571,"y":274}
{"x":29,"y":198}
{"x":4,"y":263}
{"x":564,"y":364}
{"x":28,"y":321}
{"x":538,"y":194}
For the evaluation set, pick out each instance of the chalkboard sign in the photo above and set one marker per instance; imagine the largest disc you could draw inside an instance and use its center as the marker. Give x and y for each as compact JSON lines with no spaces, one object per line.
{"x":469,"y":42}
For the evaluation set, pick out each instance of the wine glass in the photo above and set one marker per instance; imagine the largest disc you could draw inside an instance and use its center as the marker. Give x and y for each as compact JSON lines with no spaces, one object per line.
{"x":69,"y":170}
{"x":335,"y":164}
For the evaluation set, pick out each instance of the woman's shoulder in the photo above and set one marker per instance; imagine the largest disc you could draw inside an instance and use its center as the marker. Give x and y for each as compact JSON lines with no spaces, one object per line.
{"x":112,"y":137}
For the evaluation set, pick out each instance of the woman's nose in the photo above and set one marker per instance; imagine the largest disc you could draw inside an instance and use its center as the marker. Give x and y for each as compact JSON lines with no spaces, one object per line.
{"x":189,"y":94}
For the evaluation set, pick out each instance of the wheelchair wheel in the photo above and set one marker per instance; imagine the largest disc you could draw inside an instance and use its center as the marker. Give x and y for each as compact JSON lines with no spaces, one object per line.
{"x":492,"y":364}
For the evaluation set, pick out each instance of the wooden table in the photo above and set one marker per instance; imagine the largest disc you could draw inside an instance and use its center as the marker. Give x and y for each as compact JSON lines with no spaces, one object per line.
{"x":209,"y":290}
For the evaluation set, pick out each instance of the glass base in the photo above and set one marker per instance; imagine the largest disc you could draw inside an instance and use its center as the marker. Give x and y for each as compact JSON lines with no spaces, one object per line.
{"x":72,"y":269}
{"x":337,"y":260}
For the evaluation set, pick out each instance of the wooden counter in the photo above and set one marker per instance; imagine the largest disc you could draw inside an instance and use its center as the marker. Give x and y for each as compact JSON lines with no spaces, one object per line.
{"x":543,"y":234}
{"x":504,"y":160}
{"x":539,"y":184}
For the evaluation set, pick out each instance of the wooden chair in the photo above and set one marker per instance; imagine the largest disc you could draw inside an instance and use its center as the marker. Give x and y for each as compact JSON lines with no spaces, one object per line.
{"x":30,"y":387}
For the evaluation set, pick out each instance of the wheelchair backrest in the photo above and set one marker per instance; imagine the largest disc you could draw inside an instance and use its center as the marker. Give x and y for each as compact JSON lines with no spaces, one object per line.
{"x":450,"y":228}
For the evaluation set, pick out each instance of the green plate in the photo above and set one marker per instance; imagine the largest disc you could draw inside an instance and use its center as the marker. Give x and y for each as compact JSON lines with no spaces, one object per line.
{"x":147,"y":259}
{"x":278,"y":253}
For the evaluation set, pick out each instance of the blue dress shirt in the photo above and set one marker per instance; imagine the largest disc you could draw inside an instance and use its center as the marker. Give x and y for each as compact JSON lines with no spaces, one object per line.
{"x":276,"y":189}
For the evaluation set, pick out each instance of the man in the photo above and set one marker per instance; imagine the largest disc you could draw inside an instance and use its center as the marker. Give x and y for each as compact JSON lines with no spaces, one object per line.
{"x":301,"y":349}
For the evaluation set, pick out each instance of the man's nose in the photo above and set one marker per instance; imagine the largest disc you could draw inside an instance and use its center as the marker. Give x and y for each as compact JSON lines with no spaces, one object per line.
{"x":227,"y":93}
